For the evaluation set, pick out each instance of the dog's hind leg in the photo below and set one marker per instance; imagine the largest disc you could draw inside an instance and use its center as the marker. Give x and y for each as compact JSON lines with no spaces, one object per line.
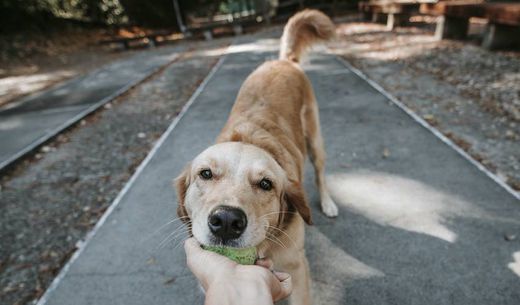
{"x":316,"y":150}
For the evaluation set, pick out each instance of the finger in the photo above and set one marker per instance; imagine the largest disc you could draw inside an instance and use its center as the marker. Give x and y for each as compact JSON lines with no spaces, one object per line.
{"x":284,"y":287}
{"x":265,"y":262}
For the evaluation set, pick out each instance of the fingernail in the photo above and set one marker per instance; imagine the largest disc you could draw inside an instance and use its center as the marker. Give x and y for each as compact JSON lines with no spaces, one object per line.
{"x":282,"y":276}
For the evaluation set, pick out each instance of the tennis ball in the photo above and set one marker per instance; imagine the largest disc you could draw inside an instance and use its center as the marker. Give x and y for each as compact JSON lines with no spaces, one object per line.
{"x":243,"y":256}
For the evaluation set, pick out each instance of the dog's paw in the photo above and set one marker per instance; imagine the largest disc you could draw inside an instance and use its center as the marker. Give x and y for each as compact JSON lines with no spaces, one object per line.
{"x":328,"y":207}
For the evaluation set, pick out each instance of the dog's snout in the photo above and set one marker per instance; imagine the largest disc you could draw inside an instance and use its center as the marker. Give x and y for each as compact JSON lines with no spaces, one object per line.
{"x":227,"y":222}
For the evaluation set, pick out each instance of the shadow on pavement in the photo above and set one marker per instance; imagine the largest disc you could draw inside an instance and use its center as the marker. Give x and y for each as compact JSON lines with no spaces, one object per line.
{"x":395,"y":233}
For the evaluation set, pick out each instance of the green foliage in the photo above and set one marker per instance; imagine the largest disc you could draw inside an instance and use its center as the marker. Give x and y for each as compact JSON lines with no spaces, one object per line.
{"x":37,"y":14}
{"x":235,"y":6}
{"x":99,"y":11}
{"x":150,"y":13}
{"x":16,"y":15}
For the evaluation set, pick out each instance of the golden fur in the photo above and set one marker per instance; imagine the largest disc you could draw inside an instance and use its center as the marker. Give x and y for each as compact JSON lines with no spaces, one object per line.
{"x":274,"y":123}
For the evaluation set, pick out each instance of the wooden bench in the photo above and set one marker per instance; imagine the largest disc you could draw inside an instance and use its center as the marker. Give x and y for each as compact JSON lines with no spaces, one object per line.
{"x":207,"y":28}
{"x":152,"y":40}
{"x":503,"y":28}
{"x":393,"y":12}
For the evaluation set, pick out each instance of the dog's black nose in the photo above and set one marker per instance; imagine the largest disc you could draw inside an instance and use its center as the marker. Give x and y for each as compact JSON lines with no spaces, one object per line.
{"x":227,"y":222}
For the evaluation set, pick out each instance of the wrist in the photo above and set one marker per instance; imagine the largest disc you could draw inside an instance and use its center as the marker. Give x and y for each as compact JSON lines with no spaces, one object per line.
{"x":226,"y":292}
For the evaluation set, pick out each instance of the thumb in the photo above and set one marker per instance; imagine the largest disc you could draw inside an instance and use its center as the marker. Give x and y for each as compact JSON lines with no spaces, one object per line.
{"x":192,"y":247}
{"x":205,"y":265}
{"x":197,"y":261}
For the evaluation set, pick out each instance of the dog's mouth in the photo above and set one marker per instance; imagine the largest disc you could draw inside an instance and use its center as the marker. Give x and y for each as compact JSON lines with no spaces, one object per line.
{"x":231,"y":243}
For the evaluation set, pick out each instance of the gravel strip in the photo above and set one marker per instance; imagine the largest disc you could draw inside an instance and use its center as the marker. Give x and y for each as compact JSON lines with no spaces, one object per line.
{"x":50,"y":201}
{"x":470,"y":94}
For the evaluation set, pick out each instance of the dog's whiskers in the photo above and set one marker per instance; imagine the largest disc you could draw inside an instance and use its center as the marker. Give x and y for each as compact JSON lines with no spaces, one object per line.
{"x":181,"y":241}
{"x":173,"y":238}
{"x":274,"y":241}
{"x":283,"y":232}
{"x":278,"y":239}
{"x":179,"y":230}
{"x":278,"y":212}
{"x":171,"y":221}
{"x":272,"y":236}
{"x":167,"y":224}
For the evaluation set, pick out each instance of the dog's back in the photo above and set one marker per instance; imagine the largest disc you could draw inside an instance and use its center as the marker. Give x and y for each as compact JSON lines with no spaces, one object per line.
{"x":268,"y":109}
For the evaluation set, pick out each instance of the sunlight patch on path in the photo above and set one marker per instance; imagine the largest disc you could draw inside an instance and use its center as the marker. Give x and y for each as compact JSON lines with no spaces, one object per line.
{"x":332,"y":268}
{"x":334,"y":260}
{"x":12,"y":124}
{"x":515,"y":265}
{"x":14,"y":86}
{"x":263,"y":45}
{"x":399,"y":202}
{"x":260,"y":46}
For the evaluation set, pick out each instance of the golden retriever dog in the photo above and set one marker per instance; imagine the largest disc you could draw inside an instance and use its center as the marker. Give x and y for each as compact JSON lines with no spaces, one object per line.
{"x":246,"y":190}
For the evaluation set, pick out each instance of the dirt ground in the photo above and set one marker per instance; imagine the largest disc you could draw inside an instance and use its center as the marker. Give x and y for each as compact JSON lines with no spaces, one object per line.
{"x":30,"y":63}
{"x":470,"y":94}
{"x":50,"y":201}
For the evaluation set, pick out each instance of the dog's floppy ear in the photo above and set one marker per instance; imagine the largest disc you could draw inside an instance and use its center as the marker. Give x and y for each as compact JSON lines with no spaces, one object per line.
{"x":294,"y":196}
{"x":182,"y":182}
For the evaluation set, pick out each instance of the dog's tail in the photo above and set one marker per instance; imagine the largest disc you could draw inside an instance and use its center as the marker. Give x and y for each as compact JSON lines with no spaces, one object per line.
{"x":302,"y":30}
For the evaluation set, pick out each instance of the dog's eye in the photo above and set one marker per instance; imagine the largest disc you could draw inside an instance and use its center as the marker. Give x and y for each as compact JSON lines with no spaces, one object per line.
{"x":265,"y":184}
{"x":206,"y":174}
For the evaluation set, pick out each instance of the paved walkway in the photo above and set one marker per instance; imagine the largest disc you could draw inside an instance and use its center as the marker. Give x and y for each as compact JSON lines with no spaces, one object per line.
{"x":31,"y":121}
{"x":418,"y":223}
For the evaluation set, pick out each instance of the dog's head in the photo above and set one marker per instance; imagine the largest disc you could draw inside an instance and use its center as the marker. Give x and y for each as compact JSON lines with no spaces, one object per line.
{"x":233,"y":193}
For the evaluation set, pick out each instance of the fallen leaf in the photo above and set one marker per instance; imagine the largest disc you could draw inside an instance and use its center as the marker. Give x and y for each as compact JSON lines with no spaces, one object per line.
{"x":169,"y":281}
{"x":151,"y":261}
{"x":386,"y":153}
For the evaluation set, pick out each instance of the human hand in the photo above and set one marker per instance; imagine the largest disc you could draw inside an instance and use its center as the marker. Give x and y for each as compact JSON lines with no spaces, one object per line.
{"x":227,"y":282}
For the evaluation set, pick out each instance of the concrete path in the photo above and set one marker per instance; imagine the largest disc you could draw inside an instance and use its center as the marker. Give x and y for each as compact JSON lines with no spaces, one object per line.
{"x":418,"y":223}
{"x":31,"y":121}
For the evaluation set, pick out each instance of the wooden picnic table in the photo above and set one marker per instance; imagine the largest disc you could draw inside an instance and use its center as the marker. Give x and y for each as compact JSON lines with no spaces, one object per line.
{"x":151,"y":39}
{"x":503,"y":28}
{"x":393,"y":12}
{"x":207,"y":26}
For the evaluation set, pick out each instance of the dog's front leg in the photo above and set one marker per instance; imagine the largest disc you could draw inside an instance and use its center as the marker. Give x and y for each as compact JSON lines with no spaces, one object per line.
{"x":301,"y":280}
